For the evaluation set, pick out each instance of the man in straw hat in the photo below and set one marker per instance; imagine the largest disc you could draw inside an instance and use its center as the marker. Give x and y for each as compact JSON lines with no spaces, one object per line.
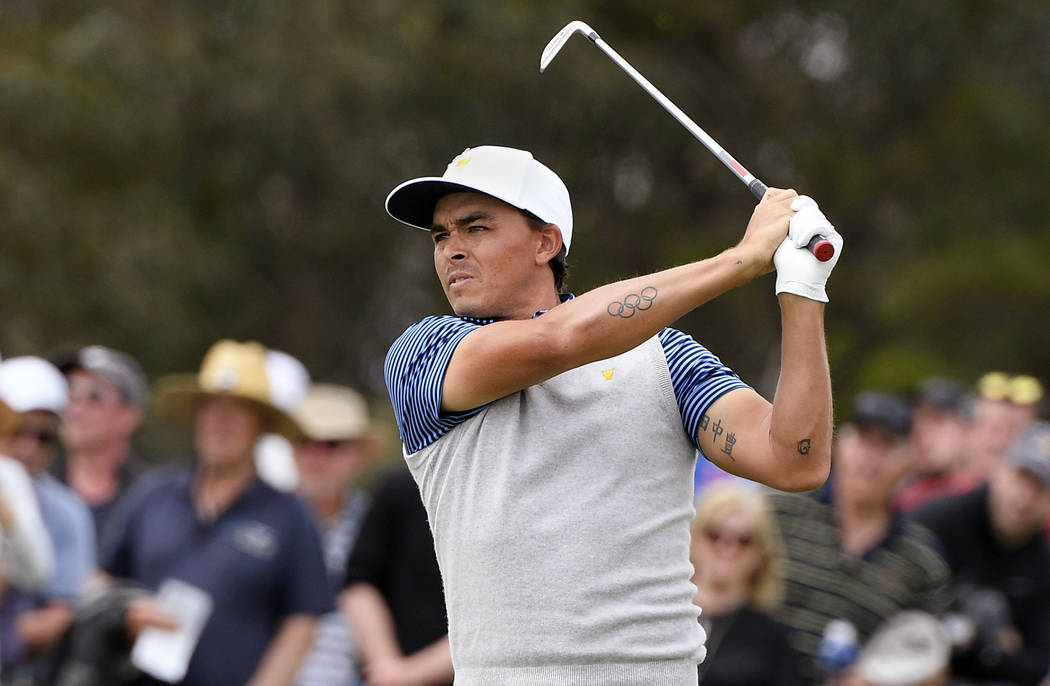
{"x":555,"y":453}
{"x":338,"y":446}
{"x":253,"y":550}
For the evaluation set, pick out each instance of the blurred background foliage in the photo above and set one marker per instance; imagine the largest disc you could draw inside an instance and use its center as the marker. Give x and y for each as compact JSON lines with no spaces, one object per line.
{"x":174,"y":173}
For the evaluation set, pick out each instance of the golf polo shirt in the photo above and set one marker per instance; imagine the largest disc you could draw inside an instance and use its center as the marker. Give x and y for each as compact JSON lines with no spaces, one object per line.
{"x":561,"y":512}
{"x":260,"y":561}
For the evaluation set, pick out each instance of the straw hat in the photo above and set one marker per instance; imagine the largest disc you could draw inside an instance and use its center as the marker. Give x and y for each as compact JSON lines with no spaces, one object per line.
{"x":232,"y":369}
{"x":335,"y":413}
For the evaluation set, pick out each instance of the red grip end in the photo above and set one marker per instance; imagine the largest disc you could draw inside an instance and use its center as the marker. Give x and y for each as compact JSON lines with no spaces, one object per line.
{"x":821,"y":248}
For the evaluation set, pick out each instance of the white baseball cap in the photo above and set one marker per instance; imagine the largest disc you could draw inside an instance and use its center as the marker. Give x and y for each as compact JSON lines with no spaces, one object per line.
{"x":289,"y":380}
{"x":909,"y":648}
{"x":507,"y":174}
{"x":33,"y":383}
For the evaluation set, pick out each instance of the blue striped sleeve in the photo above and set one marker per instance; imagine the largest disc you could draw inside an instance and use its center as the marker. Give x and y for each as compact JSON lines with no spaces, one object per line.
{"x":415,"y":374}
{"x":699,"y":378}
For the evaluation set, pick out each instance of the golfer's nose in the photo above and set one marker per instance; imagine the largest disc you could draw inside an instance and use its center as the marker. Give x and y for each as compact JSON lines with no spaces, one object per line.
{"x":453,"y":247}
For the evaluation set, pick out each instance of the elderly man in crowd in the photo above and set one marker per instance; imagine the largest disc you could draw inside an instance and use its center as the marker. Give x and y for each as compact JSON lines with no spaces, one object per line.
{"x":34,"y":623}
{"x":338,"y":447}
{"x":216,"y":531}
{"x":849,"y":557}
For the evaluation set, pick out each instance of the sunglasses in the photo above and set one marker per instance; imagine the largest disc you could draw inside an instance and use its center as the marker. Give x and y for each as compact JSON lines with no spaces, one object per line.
{"x":42,"y":435}
{"x":93,"y":396}
{"x":1021,"y":389}
{"x":716,"y":536}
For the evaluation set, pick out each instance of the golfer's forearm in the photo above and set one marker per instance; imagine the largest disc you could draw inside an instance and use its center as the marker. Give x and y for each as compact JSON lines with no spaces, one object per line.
{"x":619,"y":316}
{"x":801,"y":419}
{"x":363,"y":605}
{"x":505,"y":357}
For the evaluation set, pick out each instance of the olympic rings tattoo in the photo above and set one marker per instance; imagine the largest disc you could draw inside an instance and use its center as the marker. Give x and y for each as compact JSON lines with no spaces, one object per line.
{"x":632,"y":303}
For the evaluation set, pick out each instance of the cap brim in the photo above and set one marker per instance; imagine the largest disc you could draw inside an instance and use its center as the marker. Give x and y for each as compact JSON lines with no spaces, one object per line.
{"x":413,"y":202}
{"x":179,"y":397}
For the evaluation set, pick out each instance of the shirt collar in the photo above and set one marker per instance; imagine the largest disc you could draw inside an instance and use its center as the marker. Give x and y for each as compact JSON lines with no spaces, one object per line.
{"x":564,"y":297}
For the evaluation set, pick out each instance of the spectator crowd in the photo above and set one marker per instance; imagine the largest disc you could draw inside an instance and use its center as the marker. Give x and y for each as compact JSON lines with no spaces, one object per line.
{"x":269,"y":558}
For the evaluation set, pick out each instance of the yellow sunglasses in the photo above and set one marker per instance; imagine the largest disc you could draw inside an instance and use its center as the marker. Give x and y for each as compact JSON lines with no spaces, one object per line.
{"x":1021,"y":389}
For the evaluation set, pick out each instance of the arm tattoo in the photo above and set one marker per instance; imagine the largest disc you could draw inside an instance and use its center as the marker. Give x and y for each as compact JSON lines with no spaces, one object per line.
{"x":730,"y":442}
{"x":804,"y":446}
{"x":632,"y":303}
{"x":717,"y":429}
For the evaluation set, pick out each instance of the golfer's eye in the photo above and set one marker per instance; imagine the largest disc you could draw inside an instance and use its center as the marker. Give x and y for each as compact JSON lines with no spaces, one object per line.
{"x":439,"y":236}
{"x":476,"y":228}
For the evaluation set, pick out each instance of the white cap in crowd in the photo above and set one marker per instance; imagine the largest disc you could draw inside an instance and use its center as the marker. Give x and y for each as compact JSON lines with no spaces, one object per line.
{"x":910,"y":648}
{"x":507,"y":174}
{"x":288,"y":378}
{"x":33,"y":383}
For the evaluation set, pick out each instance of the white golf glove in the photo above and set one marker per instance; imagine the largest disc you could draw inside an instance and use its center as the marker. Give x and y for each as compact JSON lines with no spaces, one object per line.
{"x":798,"y":271}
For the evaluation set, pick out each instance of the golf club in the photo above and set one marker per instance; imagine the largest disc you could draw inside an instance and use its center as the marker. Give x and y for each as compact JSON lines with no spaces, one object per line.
{"x":820,"y":246}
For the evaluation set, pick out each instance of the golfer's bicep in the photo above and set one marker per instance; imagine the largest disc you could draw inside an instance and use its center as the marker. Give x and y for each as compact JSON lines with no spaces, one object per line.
{"x":734,"y":434}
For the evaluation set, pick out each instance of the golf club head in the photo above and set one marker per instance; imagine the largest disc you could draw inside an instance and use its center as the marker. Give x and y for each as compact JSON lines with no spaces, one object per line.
{"x":561,"y":38}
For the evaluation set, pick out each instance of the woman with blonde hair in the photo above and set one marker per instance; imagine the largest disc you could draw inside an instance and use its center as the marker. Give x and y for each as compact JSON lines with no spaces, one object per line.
{"x":736,"y":553}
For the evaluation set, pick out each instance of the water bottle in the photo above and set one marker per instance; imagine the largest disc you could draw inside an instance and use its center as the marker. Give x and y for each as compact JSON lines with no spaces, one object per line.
{"x":838,"y":646}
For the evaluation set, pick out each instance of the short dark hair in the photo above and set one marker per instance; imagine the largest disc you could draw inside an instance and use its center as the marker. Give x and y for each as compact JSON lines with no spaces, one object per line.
{"x":558,"y":265}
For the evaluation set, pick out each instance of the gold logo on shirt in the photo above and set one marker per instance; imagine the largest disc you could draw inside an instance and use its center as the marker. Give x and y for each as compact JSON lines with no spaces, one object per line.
{"x":608,"y":374}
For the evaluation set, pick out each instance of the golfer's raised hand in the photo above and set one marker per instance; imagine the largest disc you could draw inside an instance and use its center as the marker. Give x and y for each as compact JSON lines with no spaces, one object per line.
{"x":767,"y":229}
{"x":798,"y":271}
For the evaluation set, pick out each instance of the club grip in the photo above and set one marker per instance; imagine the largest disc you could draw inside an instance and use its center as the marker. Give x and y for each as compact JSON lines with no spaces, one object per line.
{"x":757,"y":188}
{"x":821,"y":247}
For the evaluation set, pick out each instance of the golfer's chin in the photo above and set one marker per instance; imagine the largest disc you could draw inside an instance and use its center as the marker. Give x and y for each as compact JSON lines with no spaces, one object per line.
{"x":464,"y":305}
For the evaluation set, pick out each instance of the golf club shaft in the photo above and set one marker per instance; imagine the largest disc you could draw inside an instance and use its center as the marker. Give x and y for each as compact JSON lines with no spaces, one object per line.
{"x":819,"y":245}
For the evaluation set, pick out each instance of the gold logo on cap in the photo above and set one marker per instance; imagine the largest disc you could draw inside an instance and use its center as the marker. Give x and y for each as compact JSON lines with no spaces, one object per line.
{"x":608,"y":374}
{"x":462,"y":161}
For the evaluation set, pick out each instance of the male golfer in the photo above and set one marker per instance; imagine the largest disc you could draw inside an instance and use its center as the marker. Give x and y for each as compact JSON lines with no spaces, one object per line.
{"x":555,"y":453}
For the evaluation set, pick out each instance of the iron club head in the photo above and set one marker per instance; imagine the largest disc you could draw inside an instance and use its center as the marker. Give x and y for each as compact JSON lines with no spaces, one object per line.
{"x":560,"y":38}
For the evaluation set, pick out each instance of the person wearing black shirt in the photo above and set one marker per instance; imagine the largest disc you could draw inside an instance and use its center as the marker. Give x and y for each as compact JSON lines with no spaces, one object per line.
{"x":993,"y":540}
{"x":394,"y":597}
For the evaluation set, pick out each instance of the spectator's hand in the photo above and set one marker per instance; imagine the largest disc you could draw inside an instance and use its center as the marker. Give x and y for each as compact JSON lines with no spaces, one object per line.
{"x":798,"y":271}
{"x":393,"y":672}
{"x":146,"y":612}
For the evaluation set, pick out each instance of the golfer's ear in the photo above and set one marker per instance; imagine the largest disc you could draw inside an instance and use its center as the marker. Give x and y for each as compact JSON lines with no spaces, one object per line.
{"x":549,"y":244}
